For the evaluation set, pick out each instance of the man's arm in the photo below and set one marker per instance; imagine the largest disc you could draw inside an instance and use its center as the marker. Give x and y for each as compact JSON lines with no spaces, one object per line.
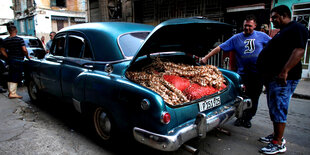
{"x":296,"y":56}
{"x":213,"y":52}
{"x":24,"y":49}
{"x":3,"y":52}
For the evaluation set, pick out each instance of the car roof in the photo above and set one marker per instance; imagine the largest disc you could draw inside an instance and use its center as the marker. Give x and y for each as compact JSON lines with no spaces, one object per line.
{"x":28,"y":37}
{"x":24,"y":37}
{"x":103,"y":36}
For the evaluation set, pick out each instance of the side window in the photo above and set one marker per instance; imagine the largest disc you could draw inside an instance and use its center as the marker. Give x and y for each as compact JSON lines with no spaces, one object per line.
{"x":75,"y":46}
{"x":78,"y":47}
{"x":87,"y":54}
{"x":58,"y":47}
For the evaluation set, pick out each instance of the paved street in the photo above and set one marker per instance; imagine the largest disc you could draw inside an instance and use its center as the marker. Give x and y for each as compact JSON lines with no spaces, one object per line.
{"x":48,"y":129}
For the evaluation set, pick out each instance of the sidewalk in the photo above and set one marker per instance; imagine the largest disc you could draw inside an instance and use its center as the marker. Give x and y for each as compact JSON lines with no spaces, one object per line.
{"x":303,"y":89}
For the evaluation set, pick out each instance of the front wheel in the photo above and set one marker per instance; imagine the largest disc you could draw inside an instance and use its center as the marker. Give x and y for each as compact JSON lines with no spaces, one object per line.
{"x":34,"y":92}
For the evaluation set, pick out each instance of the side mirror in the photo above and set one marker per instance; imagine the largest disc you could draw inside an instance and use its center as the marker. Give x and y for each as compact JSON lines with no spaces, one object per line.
{"x":40,"y":54}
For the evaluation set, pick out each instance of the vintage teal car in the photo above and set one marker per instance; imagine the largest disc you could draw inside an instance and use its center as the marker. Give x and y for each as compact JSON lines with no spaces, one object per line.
{"x":89,"y":63}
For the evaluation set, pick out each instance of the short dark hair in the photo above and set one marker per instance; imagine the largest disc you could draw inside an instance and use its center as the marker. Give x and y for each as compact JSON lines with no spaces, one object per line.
{"x":282,"y":10}
{"x":250,"y":17}
{"x":52,"y":32}
{"x":11,"y":28}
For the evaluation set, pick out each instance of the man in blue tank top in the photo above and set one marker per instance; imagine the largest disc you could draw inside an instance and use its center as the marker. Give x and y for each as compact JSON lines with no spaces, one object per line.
{"x":247,"y":45}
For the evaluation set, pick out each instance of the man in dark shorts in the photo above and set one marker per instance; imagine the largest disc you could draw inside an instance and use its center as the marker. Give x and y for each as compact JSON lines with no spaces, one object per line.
{"x":14,"y":50}
{"x":281,"y":68}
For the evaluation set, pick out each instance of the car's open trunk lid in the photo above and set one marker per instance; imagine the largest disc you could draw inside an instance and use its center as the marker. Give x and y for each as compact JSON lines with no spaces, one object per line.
{"x":190,"y":35}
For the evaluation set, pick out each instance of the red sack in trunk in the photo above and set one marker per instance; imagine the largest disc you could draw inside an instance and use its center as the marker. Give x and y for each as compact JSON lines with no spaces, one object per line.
{"x":178,"y":82}
{"x":195,"y":91}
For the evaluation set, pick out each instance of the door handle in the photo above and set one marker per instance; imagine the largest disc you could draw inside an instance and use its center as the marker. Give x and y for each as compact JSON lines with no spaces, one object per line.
{"x":89,"y":66}
{"x":59,"y":61}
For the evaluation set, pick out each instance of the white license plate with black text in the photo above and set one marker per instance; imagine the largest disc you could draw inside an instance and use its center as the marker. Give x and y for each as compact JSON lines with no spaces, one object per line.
{"x":210,"y":103}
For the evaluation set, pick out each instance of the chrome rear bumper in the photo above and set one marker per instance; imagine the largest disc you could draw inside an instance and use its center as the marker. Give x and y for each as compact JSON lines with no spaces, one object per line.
{"x":194,"y":128}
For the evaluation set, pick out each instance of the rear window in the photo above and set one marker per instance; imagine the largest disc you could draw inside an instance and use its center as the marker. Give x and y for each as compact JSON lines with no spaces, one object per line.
{"x":33,"y":43}
{"x":131,"y":42}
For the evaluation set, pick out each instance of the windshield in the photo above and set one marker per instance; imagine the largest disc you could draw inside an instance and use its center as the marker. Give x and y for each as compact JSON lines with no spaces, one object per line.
{"x":131,"y":42}
{"x":33,"y":43}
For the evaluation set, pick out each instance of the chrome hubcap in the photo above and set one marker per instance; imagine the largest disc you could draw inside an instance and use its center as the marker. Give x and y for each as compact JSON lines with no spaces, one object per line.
{"x":102,"y":124}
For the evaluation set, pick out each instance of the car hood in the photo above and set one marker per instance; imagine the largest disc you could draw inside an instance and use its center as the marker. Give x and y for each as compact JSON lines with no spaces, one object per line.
{"x":190,"y":35}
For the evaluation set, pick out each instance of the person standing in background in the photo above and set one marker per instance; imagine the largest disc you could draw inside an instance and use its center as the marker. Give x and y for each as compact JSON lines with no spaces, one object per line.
{"x":247,"y":46}
{"x":281,"y":68}
{"x":43,"y":40}
{"x":49,"y":43}
{"x":264,"y":28}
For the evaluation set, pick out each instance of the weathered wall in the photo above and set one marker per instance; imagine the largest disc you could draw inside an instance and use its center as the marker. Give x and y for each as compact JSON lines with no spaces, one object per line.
{"x":71,"y":5}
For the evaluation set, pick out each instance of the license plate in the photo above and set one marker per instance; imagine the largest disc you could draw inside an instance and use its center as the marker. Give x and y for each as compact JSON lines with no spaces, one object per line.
{"x":210,"y":103}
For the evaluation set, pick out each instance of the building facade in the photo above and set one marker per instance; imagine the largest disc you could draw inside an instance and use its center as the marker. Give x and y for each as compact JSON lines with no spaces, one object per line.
{"x":154,"y":12}
{"x":6,"y":15}
{"x":40,"y":17}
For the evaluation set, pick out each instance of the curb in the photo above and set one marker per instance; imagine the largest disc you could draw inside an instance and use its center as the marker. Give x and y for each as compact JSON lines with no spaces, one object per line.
{"x":301,"y":96}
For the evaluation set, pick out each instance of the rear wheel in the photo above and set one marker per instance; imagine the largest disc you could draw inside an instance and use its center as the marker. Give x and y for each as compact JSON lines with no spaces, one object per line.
{"x":103,"y":124}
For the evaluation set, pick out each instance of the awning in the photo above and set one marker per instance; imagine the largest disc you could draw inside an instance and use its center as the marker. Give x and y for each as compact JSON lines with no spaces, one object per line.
{"x":246,"y":7}
{"x":59,"y":18}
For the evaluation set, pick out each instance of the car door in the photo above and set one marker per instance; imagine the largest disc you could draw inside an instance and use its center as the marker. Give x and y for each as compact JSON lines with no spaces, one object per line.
{"x":51,"y":66}
{"x":78,"y":54}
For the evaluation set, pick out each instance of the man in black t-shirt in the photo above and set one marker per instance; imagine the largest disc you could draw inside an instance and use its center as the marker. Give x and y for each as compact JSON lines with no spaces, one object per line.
{"x":280,"y":65}
{"x":14,"y":50}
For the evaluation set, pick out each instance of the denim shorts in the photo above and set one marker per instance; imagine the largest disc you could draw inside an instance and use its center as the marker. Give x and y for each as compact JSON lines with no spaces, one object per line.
{"x":278,"y":99}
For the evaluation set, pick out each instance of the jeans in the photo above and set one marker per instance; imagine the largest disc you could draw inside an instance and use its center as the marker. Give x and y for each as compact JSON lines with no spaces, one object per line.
{"x":278,"y":99}
{"x":253,"y":88}
{"x":15,"y":70}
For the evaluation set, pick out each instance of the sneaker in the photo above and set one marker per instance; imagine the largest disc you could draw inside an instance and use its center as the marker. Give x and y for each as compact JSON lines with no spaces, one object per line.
{"x":269,"y":138}
{"x":238,"y":122}
{"x":273,"y":149}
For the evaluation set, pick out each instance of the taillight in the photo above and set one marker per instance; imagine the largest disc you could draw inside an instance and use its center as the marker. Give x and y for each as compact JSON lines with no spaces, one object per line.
{"x":165,"y":117}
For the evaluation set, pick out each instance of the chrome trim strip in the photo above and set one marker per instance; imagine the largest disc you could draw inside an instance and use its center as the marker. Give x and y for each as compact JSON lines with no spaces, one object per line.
{"x":77,"y":105}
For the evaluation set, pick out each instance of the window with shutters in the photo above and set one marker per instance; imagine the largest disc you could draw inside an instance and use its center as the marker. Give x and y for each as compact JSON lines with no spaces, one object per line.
{"x":58,"y":3}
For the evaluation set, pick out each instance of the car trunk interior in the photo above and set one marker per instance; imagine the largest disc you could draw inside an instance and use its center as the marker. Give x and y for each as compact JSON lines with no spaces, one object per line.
{"x":177,"y":78}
